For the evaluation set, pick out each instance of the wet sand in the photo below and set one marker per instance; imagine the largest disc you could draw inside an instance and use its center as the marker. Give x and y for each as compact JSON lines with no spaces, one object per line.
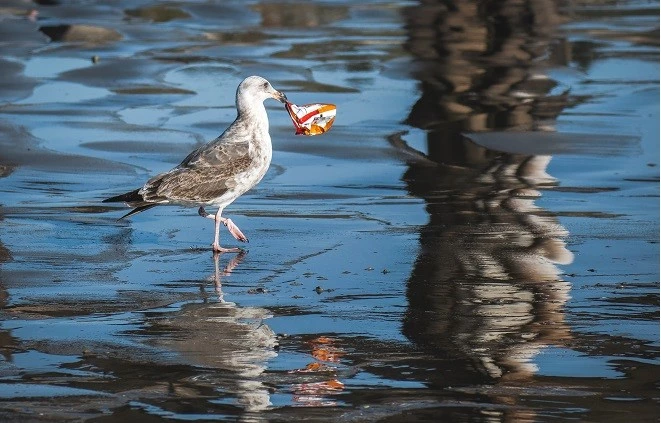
{"x":476,"y":239}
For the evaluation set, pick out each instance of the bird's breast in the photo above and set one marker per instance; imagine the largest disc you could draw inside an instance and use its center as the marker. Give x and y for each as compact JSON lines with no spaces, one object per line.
{"x":261,"y":154}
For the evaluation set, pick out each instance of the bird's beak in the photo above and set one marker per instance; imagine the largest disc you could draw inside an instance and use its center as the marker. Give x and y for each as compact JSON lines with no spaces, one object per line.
{"x":280,"y":96}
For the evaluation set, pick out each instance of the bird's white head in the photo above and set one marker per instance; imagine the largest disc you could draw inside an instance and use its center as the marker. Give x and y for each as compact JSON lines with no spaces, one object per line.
{"x":253,"y":91}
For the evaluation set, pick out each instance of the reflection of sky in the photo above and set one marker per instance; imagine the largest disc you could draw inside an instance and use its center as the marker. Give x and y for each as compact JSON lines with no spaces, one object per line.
{"x":32,"y":390}
{"x":621,"y":186}
{"x":48,"y":67}
{"x":563,"y":362}
{"x":64,"y":92}
{"x":80,"y":330}
{"x":35,"y":362}
{"x":629,"y":107}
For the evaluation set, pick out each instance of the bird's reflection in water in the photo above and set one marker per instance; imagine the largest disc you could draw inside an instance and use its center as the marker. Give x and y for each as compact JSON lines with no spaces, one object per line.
{"x":233,"y":342}
{"x":227,"y":270}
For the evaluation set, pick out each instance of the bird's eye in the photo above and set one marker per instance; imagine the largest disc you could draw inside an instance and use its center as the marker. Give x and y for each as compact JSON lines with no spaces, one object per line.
{"x":266,"y":85}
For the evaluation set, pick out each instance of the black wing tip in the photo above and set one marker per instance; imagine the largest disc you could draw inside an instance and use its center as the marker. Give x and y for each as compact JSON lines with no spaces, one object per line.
{"x":133,"y":199}
{"x":129,"y":197}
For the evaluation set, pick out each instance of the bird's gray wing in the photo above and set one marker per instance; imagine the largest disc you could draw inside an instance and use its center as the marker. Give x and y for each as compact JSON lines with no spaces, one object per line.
{"x":206,"y":174}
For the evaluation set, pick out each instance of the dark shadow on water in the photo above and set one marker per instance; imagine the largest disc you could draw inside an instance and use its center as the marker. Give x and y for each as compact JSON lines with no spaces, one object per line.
{"x":486,"y":295}
{"x":485,"y":290}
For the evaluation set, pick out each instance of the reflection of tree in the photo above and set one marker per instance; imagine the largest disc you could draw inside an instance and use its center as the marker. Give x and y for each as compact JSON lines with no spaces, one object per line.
{"x":485,"y":284}
{"x":485,"y":289}
{"x":476,"y":63}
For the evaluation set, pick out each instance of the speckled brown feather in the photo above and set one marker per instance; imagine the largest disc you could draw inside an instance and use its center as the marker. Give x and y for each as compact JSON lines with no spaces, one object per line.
{"x":204,"y":175}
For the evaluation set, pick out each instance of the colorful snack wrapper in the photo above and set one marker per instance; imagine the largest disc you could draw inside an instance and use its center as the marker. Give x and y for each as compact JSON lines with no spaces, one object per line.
{"x":311,"y":119}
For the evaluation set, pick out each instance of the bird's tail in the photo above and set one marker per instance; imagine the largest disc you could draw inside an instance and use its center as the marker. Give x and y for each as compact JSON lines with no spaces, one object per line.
{"x":139,"y":209}
{"x":133,"y":199}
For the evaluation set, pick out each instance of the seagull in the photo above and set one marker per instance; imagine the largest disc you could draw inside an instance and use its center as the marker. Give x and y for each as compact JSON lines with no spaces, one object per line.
{"x":220,"y":171}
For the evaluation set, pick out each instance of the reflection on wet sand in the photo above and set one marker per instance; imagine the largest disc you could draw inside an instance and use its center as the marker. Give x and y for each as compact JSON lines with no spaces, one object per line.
{"x":487,"y":269}
{"x":315,"y":392}
{"x":204,"y":354}
{"x":234,"y":261}
{"x":480,"y":66}
{"x":7,"y":342}
{"x":485,"y":290}
{"x":233,"y":342}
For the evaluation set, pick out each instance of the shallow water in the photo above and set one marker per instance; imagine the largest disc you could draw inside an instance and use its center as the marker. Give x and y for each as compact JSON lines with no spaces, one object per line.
{"x":476,"y":239}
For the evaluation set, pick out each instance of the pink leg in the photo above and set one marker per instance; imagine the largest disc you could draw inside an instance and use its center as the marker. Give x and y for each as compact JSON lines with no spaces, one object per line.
{"x":231,"y":226}
{"x":218,"y":219}
{"x":234,"y":230}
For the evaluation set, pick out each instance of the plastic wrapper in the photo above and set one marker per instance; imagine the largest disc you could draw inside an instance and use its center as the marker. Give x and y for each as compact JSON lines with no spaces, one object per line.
{"x":311,"y":119}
